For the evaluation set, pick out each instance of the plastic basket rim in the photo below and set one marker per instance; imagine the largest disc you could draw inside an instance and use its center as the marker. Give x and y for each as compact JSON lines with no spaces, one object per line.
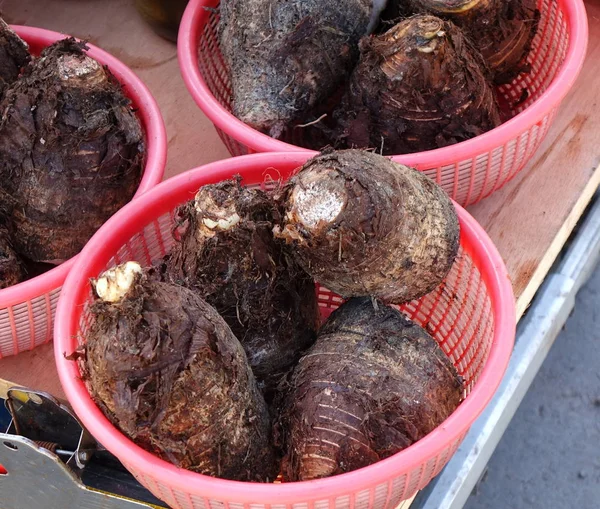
{"x":187,"y":49}
{"x":143,"y":462}
{"x":156,"y":157}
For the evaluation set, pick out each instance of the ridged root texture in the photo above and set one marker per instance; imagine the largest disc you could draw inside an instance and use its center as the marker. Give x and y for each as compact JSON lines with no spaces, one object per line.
{"x":418,"y":87}
{"x":71,"y":152}
{"x":502,"y":30}
{"x":373,"y":384}
{"x":166,"y":369}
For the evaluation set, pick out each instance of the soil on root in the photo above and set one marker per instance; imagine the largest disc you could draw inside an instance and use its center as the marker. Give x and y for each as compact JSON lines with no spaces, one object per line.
{"x":420,"y":86}
{"x":11,"y":269}
{"x":14,"y":56}
{"x":363,"y":225}
{"x":166,"y":370}
{"x":286,"y":57}
{"x":71,"y":149}
{"x":502,"y":30}
{"x":250,"y":278}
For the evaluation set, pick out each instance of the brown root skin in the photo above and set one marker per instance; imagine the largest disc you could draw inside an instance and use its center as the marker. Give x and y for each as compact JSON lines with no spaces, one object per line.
{"x":166,"y":369}
{"x":502,"y":30}
{"x":362,"y":225}
{"x":420,"y":86}
{"x":14,"y":56}
{"x":11,"y":269}
{"x":72,"y":152}
{"x":247,"y":275}
{"x":373,"y":384}
{"x":285,"y":57}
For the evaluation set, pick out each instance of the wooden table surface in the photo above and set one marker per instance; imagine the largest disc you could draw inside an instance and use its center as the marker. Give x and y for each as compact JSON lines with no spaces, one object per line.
{"x":529,"y":220}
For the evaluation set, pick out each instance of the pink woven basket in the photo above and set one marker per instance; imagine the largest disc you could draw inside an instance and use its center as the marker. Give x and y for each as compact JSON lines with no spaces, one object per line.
{"x":471,"y":315}
{"x":468,"y":171}
{"x":27,"y":309}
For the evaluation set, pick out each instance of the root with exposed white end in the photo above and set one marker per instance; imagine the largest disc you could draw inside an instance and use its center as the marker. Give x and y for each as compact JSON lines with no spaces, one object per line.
{"x":115,"y":283}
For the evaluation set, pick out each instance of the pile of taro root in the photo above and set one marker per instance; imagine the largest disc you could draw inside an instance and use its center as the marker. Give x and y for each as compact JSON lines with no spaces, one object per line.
{"x":398,"y":76}
{"x":71,"y":153}
{"x":215,"y":358}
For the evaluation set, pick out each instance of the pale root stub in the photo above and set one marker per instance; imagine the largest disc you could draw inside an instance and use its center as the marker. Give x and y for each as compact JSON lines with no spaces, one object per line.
{"x":316,"y":202}
{"x":114,"y":284}
{"x":214,"y":217}
{"x":75,"y":70}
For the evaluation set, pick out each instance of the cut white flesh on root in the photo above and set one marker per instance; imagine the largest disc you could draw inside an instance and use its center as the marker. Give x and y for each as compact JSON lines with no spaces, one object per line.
{"x":214,"y":217}
{"x":317,"y":202}
{"x":114,"y":284}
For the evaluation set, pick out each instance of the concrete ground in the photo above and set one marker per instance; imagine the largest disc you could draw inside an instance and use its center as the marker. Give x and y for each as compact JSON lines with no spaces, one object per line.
{"x":549,"y":457}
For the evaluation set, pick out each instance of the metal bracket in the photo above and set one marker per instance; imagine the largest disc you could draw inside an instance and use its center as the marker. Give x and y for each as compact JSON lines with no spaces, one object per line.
{"x":41,"y":418}
{"x":46,"y":456}
{"x":36,"y":478}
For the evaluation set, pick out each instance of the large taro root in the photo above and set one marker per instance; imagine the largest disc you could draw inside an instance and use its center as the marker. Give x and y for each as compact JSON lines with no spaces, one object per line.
{"x":373,"y":384}
{"x":502,"y":30}
{"x":363,"y":225}
{"x":228,"y":255}
{"x":14,"y":56}
{"x":419,"y":86}
{"x":11,"y":270}
{"x":71,"y":152}
{"x":285,"y":57}
{"x":168,"y":372}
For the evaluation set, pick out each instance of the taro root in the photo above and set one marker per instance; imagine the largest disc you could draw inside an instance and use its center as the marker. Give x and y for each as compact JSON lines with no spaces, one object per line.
{"x":419,"y":86}
{"x":11,"y":270}
{"x":502,"y":30}
{"x":14,"y":56}
{"x":373,"y":384}
{"x":228,"y":255}
{"x":363,"y":225}
{"x":166,"y":369}
{"x":285,"y":57}
{"x":71,"y":152}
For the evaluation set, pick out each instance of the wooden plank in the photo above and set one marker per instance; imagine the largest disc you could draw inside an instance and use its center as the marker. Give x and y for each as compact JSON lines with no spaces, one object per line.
{"x":529,"y":220}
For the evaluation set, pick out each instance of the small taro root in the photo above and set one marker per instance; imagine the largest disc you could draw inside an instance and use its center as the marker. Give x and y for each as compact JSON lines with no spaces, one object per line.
{"x":502,"y":30}
{"x":228,"y":255}
{"x":14,"y":56}
{"x":285,"y":57}
{"x":419,"y":86}
{"x":11,"y":270}
{"x":363,"y":225}
{"x":166,"y":369}
{"x":71,"y":152}
{"x":373,"y":384}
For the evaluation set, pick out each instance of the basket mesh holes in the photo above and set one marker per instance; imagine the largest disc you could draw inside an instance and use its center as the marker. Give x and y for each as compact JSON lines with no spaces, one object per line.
{"x":187,"y":501}
{"x":32,"y":323}
{"x":342,"y":502}
{"x":167,"y":495}
{"x":549,"y":49}
{"x":363,"y":499}
{"x":381,"y":495}
{"x":398,"y":489}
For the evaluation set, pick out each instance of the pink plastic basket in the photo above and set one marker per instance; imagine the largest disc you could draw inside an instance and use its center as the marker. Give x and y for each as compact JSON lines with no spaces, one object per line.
{"x":468,"y":171}
{"x":471,"y":315}
{"x":27,"y":309}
